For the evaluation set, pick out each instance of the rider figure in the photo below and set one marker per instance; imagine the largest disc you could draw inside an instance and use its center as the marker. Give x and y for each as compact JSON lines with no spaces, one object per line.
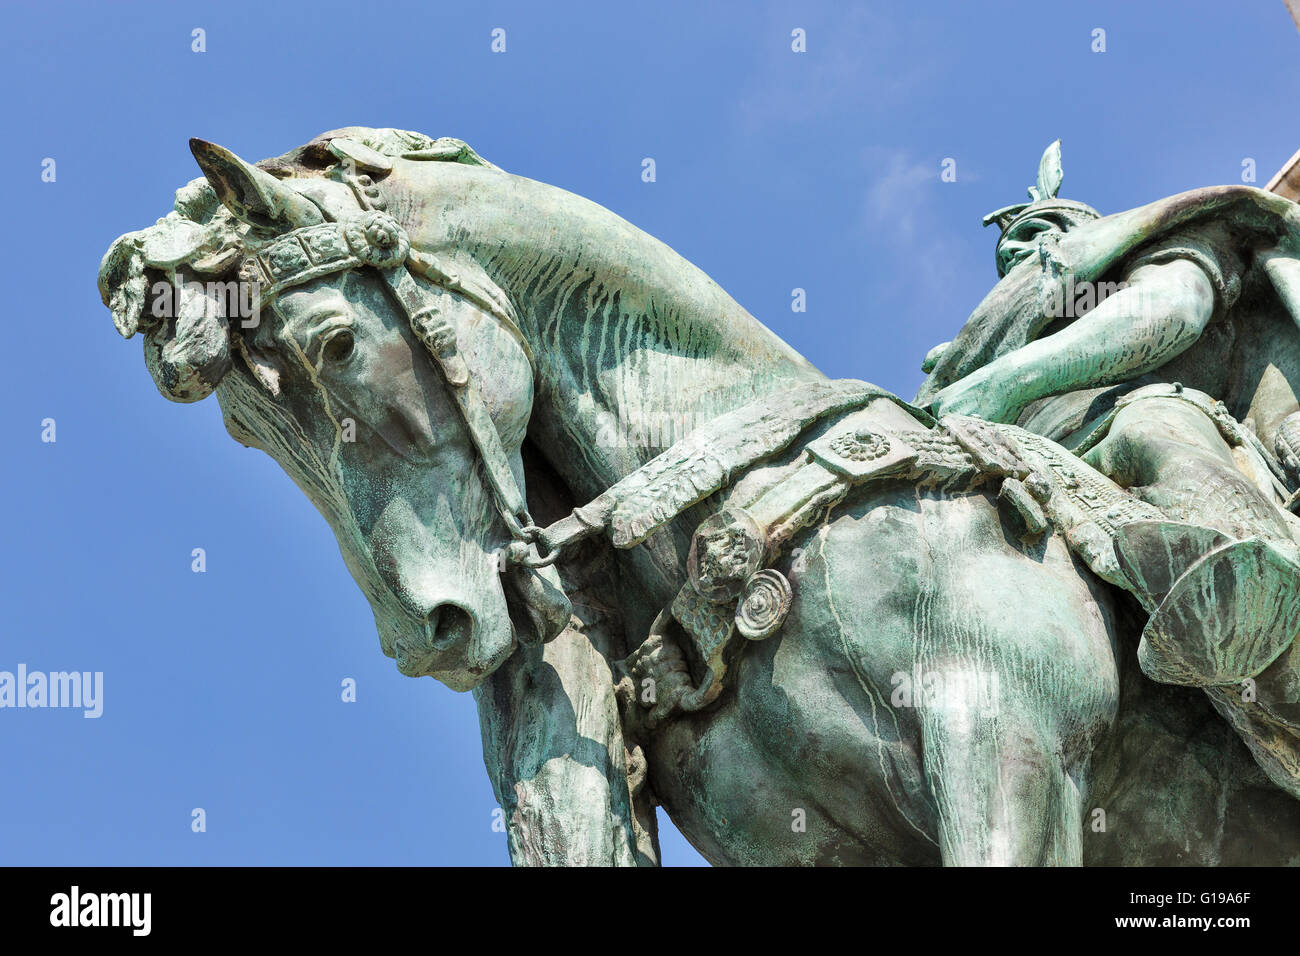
{"x":1105,"y":384}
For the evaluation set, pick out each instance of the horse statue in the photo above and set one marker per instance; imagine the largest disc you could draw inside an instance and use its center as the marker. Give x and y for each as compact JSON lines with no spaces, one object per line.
{"x":676,"y":565}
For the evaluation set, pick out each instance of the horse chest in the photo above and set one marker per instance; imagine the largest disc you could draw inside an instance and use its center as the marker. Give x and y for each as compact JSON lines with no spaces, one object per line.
{"x":770,"y":778}
{"x":805,"y":761}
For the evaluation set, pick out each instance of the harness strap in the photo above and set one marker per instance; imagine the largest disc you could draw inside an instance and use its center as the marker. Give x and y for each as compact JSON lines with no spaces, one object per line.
{"x":440,"y":339}
{"x":703,"y":462}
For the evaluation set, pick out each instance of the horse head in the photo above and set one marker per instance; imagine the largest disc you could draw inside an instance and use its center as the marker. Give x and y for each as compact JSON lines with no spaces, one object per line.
{"x":395,"y":392}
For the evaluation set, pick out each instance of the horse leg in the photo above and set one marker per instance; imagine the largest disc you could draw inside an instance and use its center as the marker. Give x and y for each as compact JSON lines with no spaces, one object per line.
{"x":1004,"y":798}
{"x":999,"y":656}
{"x":1019,"y":657}
{"x":555,"y":752}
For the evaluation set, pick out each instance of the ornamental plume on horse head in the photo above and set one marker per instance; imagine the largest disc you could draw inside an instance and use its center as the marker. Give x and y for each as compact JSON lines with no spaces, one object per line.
{"x":771,"y":616}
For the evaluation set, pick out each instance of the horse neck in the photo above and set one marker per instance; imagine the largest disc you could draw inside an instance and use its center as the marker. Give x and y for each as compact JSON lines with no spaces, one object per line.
{"x":635,"y":346}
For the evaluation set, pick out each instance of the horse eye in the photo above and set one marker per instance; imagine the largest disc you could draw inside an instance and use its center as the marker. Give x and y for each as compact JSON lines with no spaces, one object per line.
{"x":339,"y":347}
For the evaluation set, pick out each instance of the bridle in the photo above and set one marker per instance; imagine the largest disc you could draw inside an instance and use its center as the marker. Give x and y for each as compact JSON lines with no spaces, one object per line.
{"x":375,"y":239}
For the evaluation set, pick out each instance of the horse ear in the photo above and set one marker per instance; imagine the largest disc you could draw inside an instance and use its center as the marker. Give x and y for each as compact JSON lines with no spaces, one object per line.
{"x":253,"y":195}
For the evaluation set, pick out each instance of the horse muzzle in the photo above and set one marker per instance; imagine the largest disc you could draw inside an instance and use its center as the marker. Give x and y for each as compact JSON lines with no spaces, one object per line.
{"x":441,"y":645}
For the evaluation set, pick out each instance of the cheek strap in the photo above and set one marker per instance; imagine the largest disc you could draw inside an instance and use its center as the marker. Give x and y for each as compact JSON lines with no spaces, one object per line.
{"x":377,"y":240}
{"x":432,"y":328}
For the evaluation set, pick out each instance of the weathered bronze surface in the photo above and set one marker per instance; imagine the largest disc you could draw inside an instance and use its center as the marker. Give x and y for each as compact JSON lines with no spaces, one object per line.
{"x":1045,"y":614}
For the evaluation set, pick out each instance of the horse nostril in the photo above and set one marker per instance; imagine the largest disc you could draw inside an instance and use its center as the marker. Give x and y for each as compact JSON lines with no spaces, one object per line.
{"x":448,"y":625}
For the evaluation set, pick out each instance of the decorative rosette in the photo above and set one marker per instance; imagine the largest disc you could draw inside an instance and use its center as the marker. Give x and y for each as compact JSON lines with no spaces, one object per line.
{"x":377,"y":240}
{"x":764,"y":604}
{"x":860,"y":445}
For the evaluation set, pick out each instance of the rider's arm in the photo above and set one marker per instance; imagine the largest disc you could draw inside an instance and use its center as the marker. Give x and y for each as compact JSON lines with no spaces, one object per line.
{"x":1158,"y":315}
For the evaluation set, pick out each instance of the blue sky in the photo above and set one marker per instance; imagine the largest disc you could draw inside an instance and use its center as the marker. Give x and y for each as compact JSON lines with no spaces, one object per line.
{"x":775,"y":170}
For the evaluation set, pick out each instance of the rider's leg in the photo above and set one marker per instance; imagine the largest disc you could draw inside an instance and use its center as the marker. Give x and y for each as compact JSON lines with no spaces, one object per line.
{"x":1220,"y":579}
{"x":1168,"y":452}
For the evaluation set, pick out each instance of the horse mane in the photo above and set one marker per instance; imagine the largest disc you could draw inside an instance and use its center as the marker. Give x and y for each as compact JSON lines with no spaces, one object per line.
{"x":314,"y":157}
{"x":648,"y":314}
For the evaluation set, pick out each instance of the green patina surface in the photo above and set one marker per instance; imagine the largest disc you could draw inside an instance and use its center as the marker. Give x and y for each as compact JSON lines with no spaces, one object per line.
{"x":1046,"y":620}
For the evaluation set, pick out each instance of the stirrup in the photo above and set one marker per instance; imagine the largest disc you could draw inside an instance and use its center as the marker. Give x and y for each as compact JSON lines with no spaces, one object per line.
{"x":1153,"y":554}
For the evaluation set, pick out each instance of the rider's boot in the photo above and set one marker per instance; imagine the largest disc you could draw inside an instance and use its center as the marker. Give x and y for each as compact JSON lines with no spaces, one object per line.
{"x":1223,"y":609}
